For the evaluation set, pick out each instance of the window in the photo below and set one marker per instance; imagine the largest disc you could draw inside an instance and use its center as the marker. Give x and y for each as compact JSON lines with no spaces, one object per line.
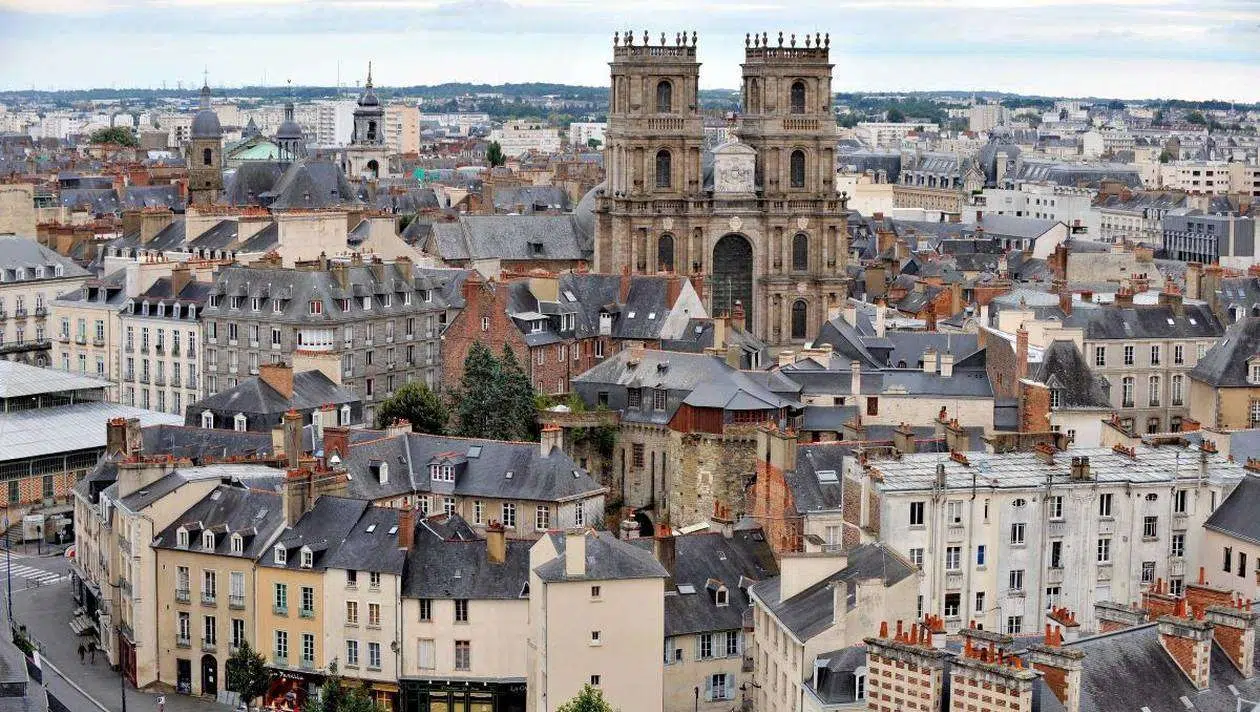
{"x":463,"y":655}
{"x":1056,"y":398}
{"x":461,"y":610}
{"x":374,"y":580}
{"x":1100,"y":355}
{"x":1104,"y":550}
{"x":721,"y":686}
{"x":1179,"y":354}
{"x":1155,"y":354}
{"x":1016,"y":580}
{"x":797,"y":98}
{"x":704,"y":645}
{"x":1126,"y":392}
{"x":634,"y":398}
{"x":916,"y":514}
{"x":636,"y":454}
{"x":352,"y":653}
{"x":508,"y":514}
{"x":953,"y":601}
{"x":1014,"y":625}
{"x":800,"y":252}
{"x":664,"y":97}
{"x":1229,"y":559}
{"x":181,"y":538}
{"x":1055,"y":505}
{"x":1104,"y":504}
{"x":979,"y":601}
{"x":308,"y":647}
{"x":238,"y":632}
{"x":916,"y":557}
{"x":1177,"y":389}
{"x":660,"y":398}
{"x":352,"y":612}
{"x":209,"y":631}
{"x":542,"y":518}
{"x":209,"y":586}
{"x":872,"y":405}
{"x":282,"y":644}
{"x":282,"y":598}
{"x":181,"y":583}
{"x":953,"y":558}
{"x":594,"y":680}
{"x":426,"y":610}
{"x":800,"y":319}
{"x":1128,"y":355}
{"x":1150,"y":527}
{"x":308,"y":601}
{"x":308,"y":558}
{"x":663,"y":169}
{"x":184,"y":631}
{"x":1178,"y":544}
{"x":1017,"y":533}
{"x":479,"y":512}
{"x":980,"y":554}
{"x":664,"y":260}
{"x":316,"y":307}
{"x":1242,"y":563}
{"x":797,"y":169}
{"x":1148,"y":571}
{"x":1056,"y":554}
{"x":579,"y":515}
{"x":374,"y":656}
{"x":1181,"y":501}
{"x":732,"y":643}
{"x":426,"y":654}
{"x":1154,"y":391}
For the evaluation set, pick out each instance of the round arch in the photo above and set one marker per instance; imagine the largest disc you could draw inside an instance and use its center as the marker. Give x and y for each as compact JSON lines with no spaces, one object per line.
{"x":665,"y":253}
{"x":733,"y":276}
{"x":800,"y":319}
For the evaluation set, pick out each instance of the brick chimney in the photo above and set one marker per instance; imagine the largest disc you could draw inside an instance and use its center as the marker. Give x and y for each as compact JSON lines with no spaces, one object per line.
{"x":292,"y":424}
{"x":296,"y":498}
{"x":910,"y":658}
{"x":1194,"y":280}
{"x":903,"y":439}
{"x":1235,"y":632}
{"x":1064,"y":621}
{"x":116,"y":436}
{"x":552,"y":439}
{"x":336,"y":440}
{"x":1188,"y":641}
{"x":984,"y":665}
{"x":279,"y":376}
{"x":180,"y":277}
{"x":1201,"y":594}
{"x":1157,"y":601}
{"x":623,"y":286}
{"x":664,"y":547}
{"x":1117,"y":616}
{"x":930,"y":320}
{"x":1065,"y":296}
{"x":673,"y":288}
{"x":1060,"y":667}
{"x":406,"y":528}
{"x":1171,"y":297}
{"x":496,"y":543}
{"x":1021,"y":352}
{"x":1124,"y":298}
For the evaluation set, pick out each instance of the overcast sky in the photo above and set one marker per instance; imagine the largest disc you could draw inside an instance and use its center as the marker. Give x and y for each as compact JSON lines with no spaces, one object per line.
{"x":1190,"y":49}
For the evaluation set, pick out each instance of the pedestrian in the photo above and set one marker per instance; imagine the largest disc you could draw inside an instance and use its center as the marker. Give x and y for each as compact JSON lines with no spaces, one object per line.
{"x":92,"y":650}
{"x":82,"y":651}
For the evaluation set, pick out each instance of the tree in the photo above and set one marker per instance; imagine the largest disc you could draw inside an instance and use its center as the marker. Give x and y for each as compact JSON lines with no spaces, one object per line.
{"x":494,"y":155}
{"x":416,"y":403}
{"x":1196,"y":117}
{"x":518,"y":398}
{"x":495,"y":399}
{"x":590,"y":699}
{"x":895,"y":116}
{"x":593,"y":143}
{"x":334,"y":697}
{"x":116,"y":135}
{"x":1165,"y":156}
{"x":247,"y":673}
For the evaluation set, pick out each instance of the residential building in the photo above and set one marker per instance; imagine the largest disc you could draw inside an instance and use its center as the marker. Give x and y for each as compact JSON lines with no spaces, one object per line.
{"x":1228,"y":240}
{"x":206,"y":598}
{"x":88,"y":330}
{"x":259,"y":403}
{"x":1225,"y":384}
{"x":402,"y":128}
{"x":1211,"y":177}
{"x":1231,"y":541}
{"x":334,"y":122}
{"x":492,"y":244}
{"x":1136,"y":217}
{"x":380,"y":319}
{"x":821,"y":602}
{"x":1043,"y":201}
{"x":465,"y":612}
{"x":1055,"y":389}
{"x":516,"y":138}
{"x":582,"y":133}
{"x":1007,"y":527}
{"x":984,"y":117}
{"x":160,"y":352}
{"x":581,"y":585}
{"x":881,"y":134}
{"x":31,"y":277}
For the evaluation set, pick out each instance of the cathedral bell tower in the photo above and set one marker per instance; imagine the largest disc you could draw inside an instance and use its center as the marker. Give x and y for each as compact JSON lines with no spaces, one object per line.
{"x":367,"y":156}
{"x":205,"y":154}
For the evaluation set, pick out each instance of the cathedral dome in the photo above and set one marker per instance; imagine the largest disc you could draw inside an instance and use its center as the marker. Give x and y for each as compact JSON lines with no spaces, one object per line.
{"x":206,"y":125}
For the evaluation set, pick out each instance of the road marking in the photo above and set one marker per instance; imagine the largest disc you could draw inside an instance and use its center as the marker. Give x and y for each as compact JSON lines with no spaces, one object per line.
{"x":31,"y":573}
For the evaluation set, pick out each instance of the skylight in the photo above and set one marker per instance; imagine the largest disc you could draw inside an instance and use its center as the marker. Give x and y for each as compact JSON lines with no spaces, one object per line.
{"x":474,"y":451}
{"x":569,"y":295}
{"x":651,"y":315}
{"x":393,"y":530}
{"x":827,"y":476}
{"x":371,"y":528}
{"x":686,"y":588}
{"x":630,"y":315}
{"x":507,"y":475}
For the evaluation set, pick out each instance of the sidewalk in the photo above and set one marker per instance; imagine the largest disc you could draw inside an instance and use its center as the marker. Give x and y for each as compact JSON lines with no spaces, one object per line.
{"x":46,"y":613}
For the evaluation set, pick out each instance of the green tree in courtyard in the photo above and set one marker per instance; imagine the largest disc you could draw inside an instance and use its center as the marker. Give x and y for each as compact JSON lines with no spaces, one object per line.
{"x":247,"y":673}
{"x":116,"y":135}
{"x":590,"y":699}
{"x":494,"y":154}
{"x":416,"y":403}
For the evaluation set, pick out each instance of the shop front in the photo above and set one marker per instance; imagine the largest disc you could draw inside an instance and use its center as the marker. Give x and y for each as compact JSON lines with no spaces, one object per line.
{"x":290,"y":690}
{"x":463,"y":696}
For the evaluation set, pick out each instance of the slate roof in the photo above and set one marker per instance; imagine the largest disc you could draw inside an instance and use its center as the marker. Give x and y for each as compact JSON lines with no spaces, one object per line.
{"x":248,"y":182}
{"x":449,"y":561}
{"x":228,"y":509}
{"x":509,"y":237}
{"x":1236,"y":516}
{"x":809,"y":493}
{"x":1225,"y":364}
{"x":220,"y":236}
{"x":197,"y":444}
{"x":1064,"y":369}
{"x":253,"y":396}
{"x":607,"y":559}
{"x":811,"y":611}
{"x":376,"y":550}
{"x":1018,"y":227}
{"x":705,"y":561}
{"x":534,"y":198}
{"x":19,"y":253}
{"x":97,"y":200}
{"x":322,"y":529}
{"x":311,"y":184}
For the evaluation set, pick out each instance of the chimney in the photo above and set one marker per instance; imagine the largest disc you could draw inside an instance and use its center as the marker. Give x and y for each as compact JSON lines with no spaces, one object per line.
{"x":903,"y":439}
{"x":947,"y":365}
{"x":985,"y":665}
{"x":153,"y":221}
{"x":279,"y":376}
{"x":406,"y":528}
{"x":855,"y":378}
{"x":956,"y":437}
{"x":1117,"y":616}
{"x":552,"y":439}
{"x":1080,"y":467}
{"x":336,"y":441}
{"x":929,"y":360}
{"x":673,"y":288}
{"x":116,"y":436}
{"x":1171,"y":297}
{"x":1060,"y":668}
{"x":880,"y":319}
{"x":180,"y":277}
{"x":1235,"y":632}
{"x":297,"y":488}
{"x":930,"y":322}
{"x":1157,"y":601}
{"x":1021,"y":352}
{"x":1194,"y":280}
{"x":623,"y":288}
{"x":1188,"y":641}
{"x":1201,"y":594}
{"x":839,"y":602}
{"x":719,"y":333}
{"x":292,"y":422}
{"x":1044,"y":452}
{"x":472,"y":284}
{"x":1124,"y":298}
{"x":738,"y":320}
{"x":575,"y":553}
{"x":135,"y":437}
{"x":665,"y":548}
{"x":496,"y":543}
{"x":136,"y":473}
{"x":1065,"y":296}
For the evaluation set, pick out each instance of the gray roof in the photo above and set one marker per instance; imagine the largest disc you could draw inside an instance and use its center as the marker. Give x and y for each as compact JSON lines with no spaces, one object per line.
{"x":509,"y":237}
{"x":228,"y":509}
{"x":198,"y":444}
{"x":1225,"y":364}
{"x":206,"y":125}
{"x":23,"y":259}
{"x":322,"y":529}
{"x":66,"y":428}
{"x":449,"y":561}
{"x":253,"y":396}
{"x":533,"y":198}
{"x":1018,"y":227}
{"x":1064,"y":369}
{"x":607,"y":559}
{"x":18,"y":380}
{"x":371,"y":544}
{"x":811,"y":611}
{"x":311,"y":184}
{"x":1236,"y":516}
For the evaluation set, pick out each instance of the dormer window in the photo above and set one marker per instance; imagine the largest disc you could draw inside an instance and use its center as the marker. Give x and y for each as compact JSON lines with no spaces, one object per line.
{"x":367,"y":303}
{"x":207,"y":541}
{"x":382,"y":473}
{"x":236,"y":303}
{"x":207,"y":419}
{"x":721,"y":597}
{"x":536,"y":326}
{"x":238,"y":544}
{"x":1056,"y":398}
{"x":406,"y":299}
{"x":448,"y":473}
{"x":316,"y":307}
{"x":308,"y":558}
{"x":181,"y":538}
{"x":275,"y":306}
{"x":256,"y":303}
{"x":239,"y":422}
{"x":1254,"y":371}
{"x":59,"y":270}
{"x":345,"y":415}
{"x":280,"y":555}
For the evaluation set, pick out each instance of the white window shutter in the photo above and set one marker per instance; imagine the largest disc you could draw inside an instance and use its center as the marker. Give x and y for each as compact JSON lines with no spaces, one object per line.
{"x":708,"y":688}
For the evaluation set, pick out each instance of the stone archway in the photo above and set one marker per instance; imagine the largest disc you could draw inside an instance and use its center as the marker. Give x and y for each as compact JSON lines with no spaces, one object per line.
{"x":733,"y":276}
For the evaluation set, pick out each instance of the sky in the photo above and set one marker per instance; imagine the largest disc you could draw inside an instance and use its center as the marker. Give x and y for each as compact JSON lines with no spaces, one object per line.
{"x":1128,"y":49}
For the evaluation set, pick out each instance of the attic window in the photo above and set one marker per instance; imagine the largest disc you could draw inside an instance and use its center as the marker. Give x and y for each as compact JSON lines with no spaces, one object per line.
{"x":630,"y":315}
{"x":651,"y":315}
{"x":308,"y":558}
{"x":826,"y":476}
{"x":535,"y":248}
{"x":181,"y":538}
{"x":371,"y":528}
{"x":238,"y":544}
{"x":576,"y":474}
{"x":1171,"y":322}
{"x":207,"y":541}
{"x":507,"y":475}
{"x":686,"y":589}
{"x":393,"y":530}
{"x":280,"y":555}
{"x":570,"y":296}
{"x":474,"y":452}
{"x":721,"y":597}
{"x":536,"y":326}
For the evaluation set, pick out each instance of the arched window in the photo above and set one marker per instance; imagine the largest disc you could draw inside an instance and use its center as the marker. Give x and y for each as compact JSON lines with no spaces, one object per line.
{"x":665,"y":253}
{"x":800,"y":252}
{"x":799,"y":313}
{"x":798,"y":97}
{"x":371,"y":132}
{"x":798,"y":169}
{"x":663,"y":175}
{"x":207,"y":157}
{"x":664,"y":97}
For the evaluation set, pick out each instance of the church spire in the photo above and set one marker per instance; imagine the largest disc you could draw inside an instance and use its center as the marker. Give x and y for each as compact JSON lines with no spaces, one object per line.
{"x":205,"y":89}
{"x":369,"y":77}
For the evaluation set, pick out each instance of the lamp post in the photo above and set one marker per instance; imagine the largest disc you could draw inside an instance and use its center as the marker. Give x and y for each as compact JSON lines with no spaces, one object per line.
{"x":8,"y":573}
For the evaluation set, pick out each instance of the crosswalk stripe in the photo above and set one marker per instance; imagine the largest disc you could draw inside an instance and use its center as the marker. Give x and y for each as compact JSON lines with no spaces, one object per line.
{"x":34,"y":574}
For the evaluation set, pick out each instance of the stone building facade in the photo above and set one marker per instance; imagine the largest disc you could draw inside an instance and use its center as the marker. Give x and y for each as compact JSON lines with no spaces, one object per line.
{"x":765,"y":229}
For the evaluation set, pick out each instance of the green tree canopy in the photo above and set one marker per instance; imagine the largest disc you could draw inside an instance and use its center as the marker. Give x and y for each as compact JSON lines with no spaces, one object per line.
{"x":494,"y":154}
{"x":590,"y":699}
{"x":1196,"y":117}
{"x":593,"y":143}
{"x":247,"y":673}
{"x":116,"y":135}
{"x":495,"y":399}
{"x":518,"y":398}
{"x":895,"y":116}
{"x":335,"y":697}
{"x":416,"y":403}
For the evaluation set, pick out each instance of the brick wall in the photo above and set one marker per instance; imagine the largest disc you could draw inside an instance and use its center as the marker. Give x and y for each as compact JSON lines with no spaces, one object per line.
{"x":1034,"y":408}
{"x":770,"y":503}
{"x":1000,"y":365}
{"x":31,"y":489}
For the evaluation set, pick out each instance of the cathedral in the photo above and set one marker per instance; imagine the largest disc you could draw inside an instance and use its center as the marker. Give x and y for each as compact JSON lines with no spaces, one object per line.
{"x":756,"y":223}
